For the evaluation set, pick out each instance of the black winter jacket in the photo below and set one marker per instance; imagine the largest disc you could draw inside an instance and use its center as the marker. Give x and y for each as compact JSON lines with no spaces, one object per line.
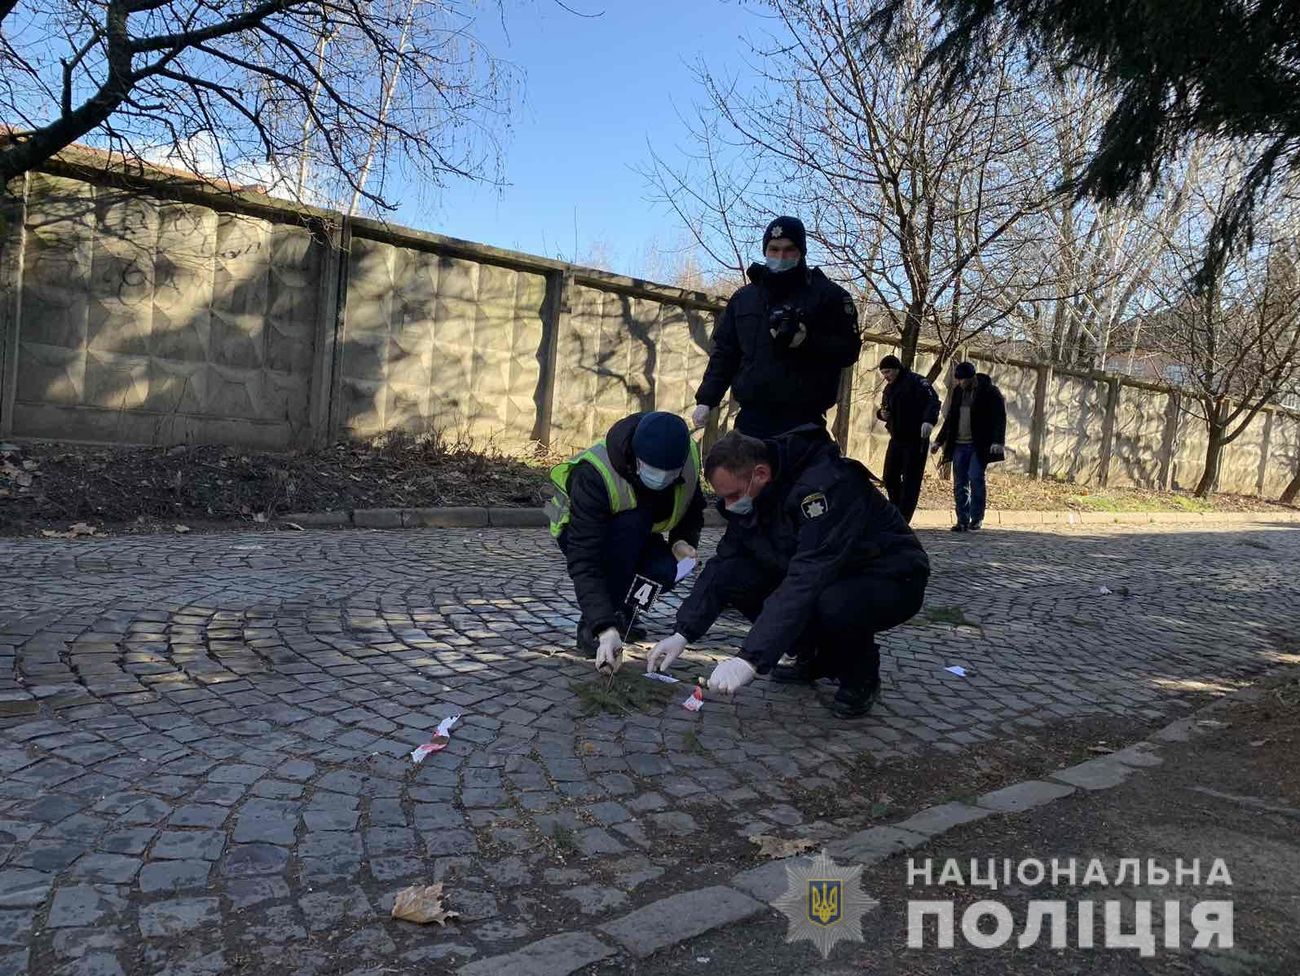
{"x":988,"y":420}
{"x":585,"y":533}
{"x":818,"y":521}
{"x":799,"y":385}
{"x":910,"y":401}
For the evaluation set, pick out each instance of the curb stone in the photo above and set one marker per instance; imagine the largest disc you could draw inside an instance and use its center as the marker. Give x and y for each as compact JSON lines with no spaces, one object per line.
{"x":469,"y":517}
{"x":689,"y":914}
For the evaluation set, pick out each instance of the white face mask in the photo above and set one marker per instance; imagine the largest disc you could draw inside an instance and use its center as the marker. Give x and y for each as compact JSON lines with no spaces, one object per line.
{"x":781,"y":265}
{"x":656,"y":479}
{"x":744,"y":504}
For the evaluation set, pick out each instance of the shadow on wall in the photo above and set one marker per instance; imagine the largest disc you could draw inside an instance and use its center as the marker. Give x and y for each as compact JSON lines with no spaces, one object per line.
{"x":151,"y":321}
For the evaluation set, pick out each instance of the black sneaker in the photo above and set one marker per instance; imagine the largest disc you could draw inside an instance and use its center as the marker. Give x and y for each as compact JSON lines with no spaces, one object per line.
{"x":976,"y":526}
{"x":960,"y":527}
{"x":799,"y":673}
{"x":855,"y":701}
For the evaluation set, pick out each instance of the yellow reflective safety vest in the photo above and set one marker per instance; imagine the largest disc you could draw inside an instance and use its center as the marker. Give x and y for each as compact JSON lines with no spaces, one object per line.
{"x":622,"y":495}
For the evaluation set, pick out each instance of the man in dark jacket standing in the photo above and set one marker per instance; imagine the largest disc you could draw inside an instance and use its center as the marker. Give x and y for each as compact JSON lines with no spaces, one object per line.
{"x":972,"y":438}
{"x":612,"y":505}
{"x":782,"y":341}
{"x":814,"y":555}
{"x":910,"y":411}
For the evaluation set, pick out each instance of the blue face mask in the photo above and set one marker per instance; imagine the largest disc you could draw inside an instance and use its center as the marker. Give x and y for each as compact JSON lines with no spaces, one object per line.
{"x":744,"y":505}
{"x":656,"y":479}
{"x":781,"y":265}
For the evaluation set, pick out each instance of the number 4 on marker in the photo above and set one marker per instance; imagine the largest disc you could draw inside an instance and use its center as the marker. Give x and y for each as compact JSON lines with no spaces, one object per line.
{"x":643,"y":593}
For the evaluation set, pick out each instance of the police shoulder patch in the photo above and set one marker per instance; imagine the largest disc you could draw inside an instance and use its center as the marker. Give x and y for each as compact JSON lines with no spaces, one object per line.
{"x":815,"y":505}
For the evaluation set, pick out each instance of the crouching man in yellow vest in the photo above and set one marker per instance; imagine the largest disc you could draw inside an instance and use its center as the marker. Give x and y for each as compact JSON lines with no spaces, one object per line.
{"x":612,"y":505}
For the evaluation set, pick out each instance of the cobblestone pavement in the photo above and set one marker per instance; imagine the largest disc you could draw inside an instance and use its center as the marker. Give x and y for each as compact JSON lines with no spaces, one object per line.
{"x":203,"y":740}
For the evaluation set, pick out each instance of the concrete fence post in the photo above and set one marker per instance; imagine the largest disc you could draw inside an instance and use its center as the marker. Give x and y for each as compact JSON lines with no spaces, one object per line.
{"x":1169,"y":442}
{"x":1261,"y":476}
{"x":334,"y":318}
{"x":1038,"y":422}
{"x":844,"y":409}
{"x":1108,"y":428}
{"x":13,"y":241}
{"x":555,"y":317}
{"x":331,"y":298}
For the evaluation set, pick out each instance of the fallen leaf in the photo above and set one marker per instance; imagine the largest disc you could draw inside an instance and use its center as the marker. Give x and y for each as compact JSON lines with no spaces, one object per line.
{"x":294,"y":525}
{"x":182,"y":529}
{"x":422,"y":904}
{"x":779,"y":847}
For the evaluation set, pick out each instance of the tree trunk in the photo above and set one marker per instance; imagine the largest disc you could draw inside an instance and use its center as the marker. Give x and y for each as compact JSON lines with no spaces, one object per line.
{"x":911,"y":335}
{"x":1213,"y":457}
{"x":1291,"y":491}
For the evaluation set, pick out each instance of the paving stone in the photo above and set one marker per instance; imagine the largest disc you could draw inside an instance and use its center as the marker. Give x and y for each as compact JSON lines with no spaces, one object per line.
{"x":168,"y":918}
{"x":203,"y":845}
{"x":24,"y":888}
{"x":556,"y":955}
{"x":16,"y":926}
{"x":595,"y":840}
{"x":595,"y":899}
{"x":245,"y":892}
{"x":108,"y":868}
{"x":159,"y":876}
{"x":1095,"y":774}
{"x":250,"y":859}
{"x":80,"y":905}
{"x":936,"y":820}
{"x":1024,"y":796}
{"x":671,"y":920}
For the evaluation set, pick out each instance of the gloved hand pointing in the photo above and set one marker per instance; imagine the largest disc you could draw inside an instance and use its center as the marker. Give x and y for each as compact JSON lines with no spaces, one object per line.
{"x":926,"y":428}
{"x":731,"y":675}
{"x":700,"y":415}
{"x":665,"y":653}
{"x":609,"y":652}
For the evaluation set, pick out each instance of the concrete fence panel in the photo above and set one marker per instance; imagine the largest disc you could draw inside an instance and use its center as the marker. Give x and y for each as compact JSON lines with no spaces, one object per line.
{"x":1072,"y":429}
{"x":1139,"y":434}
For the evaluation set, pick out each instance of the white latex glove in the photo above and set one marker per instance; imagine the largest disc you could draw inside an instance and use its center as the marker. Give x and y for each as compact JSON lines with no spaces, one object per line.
{"x":731,"y":675}
{"x":609,"y":652}
{"x":700,"y":415}
{"x":665,"y":653}
{"x":684,"y":550}
{"x":799,"y":336}
{"x":925,"y":431}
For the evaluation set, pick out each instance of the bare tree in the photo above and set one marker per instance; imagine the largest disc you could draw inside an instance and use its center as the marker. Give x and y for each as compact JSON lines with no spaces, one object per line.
{"x":338,"y":89}
{"x":928,"y":207}
{"x":1236,"y":341}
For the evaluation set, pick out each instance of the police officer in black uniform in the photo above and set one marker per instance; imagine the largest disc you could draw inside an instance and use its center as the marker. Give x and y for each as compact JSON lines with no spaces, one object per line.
{"x":910,"y":410}
{"x":814,"y":555}
{"x":782,"y":340}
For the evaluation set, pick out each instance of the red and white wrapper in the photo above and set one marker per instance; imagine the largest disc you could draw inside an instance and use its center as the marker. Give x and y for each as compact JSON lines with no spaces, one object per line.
{"x":441,"y":736}
{"x":695,"y":702}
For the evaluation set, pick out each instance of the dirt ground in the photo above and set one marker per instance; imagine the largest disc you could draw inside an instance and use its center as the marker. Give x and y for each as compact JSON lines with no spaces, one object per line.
{"x":1232,"y":793}
{"x":47,"y":486}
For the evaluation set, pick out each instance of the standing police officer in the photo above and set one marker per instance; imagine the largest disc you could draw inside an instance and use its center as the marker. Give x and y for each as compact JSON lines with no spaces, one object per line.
{"x":782,"y":341}
{"x":814,"y":555}
{"x":910,"y":410}
{"x":612,"y":504}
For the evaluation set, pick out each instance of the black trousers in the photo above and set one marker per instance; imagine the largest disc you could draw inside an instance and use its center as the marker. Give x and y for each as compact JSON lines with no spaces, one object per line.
{"x":841,"y":635}
{"x":632,"y":549}
{"x":904,"y":470}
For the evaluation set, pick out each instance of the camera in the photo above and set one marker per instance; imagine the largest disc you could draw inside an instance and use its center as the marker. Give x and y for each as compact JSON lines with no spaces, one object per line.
{"x":784,"y":325}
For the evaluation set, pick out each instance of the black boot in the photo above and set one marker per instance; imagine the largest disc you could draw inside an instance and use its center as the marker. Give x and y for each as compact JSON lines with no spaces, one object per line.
{"x":855,"y":701}
{"x":859,"y":684}
{"x":799,"y":673}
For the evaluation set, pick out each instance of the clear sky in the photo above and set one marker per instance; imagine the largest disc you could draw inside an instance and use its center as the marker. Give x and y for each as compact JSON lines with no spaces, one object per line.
{"x":594,"y":91}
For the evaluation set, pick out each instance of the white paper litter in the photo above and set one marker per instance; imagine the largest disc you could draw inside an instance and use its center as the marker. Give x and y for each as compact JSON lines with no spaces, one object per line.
{"x":441,"y":736}
{"x":684,"y":568}
{"x":956,"y":669}
{"x":1104,"y":591}
{"x":667,"y":679}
